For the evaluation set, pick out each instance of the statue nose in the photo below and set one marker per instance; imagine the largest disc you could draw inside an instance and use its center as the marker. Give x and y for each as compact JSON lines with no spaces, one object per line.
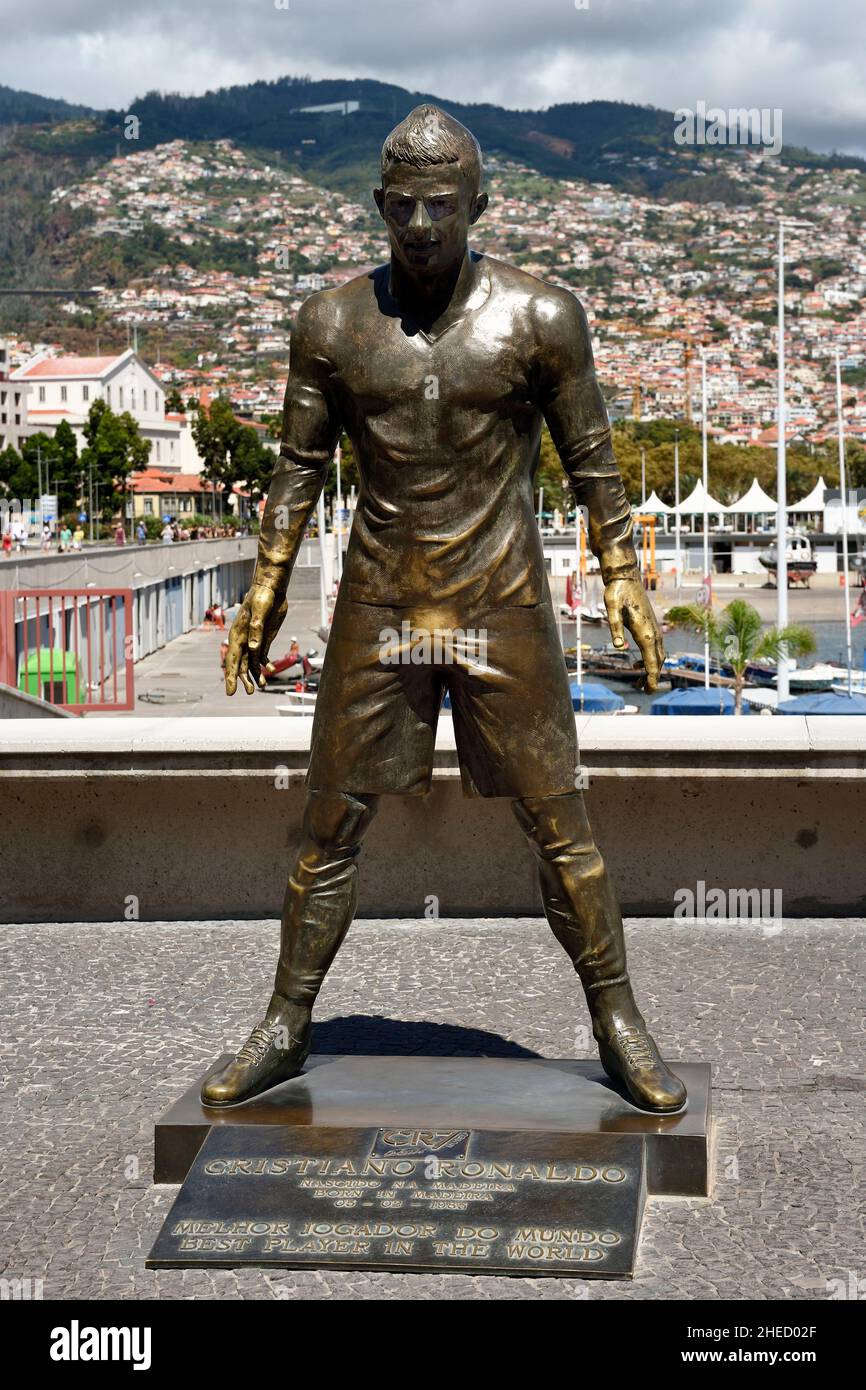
{"x":420,"y":221}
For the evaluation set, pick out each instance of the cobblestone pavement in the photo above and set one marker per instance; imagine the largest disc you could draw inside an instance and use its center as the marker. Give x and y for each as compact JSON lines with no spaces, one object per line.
{"x":104,"y":1025}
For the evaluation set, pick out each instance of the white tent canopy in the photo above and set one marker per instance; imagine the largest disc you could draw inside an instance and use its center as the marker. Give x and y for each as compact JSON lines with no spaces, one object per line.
{"x":755,"y":500}
{"x":694,"y":504}
{"x":655,"y":506}
{"x":815,"y":500}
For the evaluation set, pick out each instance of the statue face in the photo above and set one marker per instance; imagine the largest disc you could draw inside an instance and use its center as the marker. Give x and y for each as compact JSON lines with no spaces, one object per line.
{"x":428,"y":213}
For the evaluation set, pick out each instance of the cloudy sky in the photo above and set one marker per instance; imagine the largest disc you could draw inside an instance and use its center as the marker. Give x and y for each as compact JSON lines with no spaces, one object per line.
{"x":803,"y":56}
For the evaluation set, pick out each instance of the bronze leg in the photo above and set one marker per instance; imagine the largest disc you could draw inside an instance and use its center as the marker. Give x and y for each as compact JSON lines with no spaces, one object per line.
{"x":319,"y":906}
{"x":581,"y":906}
{"x":322,"y":892}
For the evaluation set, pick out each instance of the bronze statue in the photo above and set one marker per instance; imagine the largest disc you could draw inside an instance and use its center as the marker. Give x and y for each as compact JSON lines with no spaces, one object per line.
{"x":441,"y":367}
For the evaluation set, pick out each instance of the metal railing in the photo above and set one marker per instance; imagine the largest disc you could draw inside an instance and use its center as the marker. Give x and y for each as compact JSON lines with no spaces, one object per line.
{"x":73,"y":648}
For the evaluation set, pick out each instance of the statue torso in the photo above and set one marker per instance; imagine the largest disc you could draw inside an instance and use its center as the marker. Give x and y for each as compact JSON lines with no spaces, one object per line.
{"x":446,"y":434}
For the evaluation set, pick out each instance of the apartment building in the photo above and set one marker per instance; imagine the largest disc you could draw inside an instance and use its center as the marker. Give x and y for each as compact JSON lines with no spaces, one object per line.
{"x":13,"y":403}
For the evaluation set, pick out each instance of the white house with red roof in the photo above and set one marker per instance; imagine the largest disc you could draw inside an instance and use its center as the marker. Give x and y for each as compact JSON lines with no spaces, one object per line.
{"x":65,"y":387}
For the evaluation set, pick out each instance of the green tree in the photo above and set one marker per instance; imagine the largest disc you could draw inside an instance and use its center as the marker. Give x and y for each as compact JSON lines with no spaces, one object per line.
{"x":855,"y":464}
{"x":735,"y":637}
{"x":550,"y":475}
{"x":53,"y":460}
{"x":232,"y":453}
{"x":173,"y":402}
{"x":66,"y":475}
{"x":18,"y":477}
{"x":114,"y":450}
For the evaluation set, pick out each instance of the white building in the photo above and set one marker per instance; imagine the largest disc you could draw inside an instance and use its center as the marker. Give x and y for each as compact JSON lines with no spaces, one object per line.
{"x":64,"y":388}
{"x":13,"y":403}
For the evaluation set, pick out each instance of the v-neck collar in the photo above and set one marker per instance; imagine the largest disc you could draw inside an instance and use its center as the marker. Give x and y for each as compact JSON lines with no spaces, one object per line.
{"x":473,"y":301}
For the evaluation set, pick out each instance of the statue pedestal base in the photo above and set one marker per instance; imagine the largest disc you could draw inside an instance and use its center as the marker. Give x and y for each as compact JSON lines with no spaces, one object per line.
{"x":492,"y":1165}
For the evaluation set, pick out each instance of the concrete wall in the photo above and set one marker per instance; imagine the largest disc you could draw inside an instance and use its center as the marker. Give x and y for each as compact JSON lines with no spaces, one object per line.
{"x":198,"y":818}
{"x":173,"y":584}
{"x":15,"y":704}
{"x":119,"y":566}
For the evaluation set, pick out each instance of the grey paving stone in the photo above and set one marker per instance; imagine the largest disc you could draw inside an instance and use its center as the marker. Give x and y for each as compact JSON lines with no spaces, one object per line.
{"x":102,"y":1026}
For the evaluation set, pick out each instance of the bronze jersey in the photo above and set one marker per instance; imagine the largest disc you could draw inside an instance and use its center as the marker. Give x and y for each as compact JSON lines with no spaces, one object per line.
{"x":446,"y":426}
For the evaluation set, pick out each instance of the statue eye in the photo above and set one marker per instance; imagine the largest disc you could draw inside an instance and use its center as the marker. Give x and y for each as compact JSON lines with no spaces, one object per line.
{"x":401,"y":209}
{"x":439,"y":207}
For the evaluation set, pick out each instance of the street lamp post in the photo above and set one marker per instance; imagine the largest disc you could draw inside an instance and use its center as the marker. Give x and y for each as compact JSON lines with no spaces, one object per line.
{"x":677,"y":524}
{"x":843,"y":489}
{"x":338,"y":523}
{"x":708,"y":586}
{"x":783,"y":685}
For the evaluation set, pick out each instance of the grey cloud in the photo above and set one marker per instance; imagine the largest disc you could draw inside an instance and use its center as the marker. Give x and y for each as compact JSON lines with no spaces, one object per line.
{"x":791,"y":54}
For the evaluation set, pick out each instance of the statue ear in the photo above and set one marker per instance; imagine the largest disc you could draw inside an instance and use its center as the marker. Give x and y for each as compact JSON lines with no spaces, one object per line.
{"x":379,"y":199}
{"x":478,"y":207}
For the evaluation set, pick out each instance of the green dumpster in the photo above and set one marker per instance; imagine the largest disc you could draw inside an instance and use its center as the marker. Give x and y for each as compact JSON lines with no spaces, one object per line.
{"x":51,"y":674}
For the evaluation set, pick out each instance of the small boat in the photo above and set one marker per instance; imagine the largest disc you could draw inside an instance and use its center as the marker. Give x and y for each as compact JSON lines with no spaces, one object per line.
{"x":763,"y":673}
{"x":809,"y":679}
{"x":614,"y":664}
{"x":801,"y":562}
{"x":595,"y":699}
{"x":570,"y":654}
{"x":687,"y":669}
{"x":824,"y":703}
{"x":592,"y":614}
{"x":840,"y":683}
{"x":694,"y":702}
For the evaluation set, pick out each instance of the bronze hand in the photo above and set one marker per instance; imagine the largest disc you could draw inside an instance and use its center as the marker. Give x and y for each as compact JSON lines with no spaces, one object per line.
{"x":627,"y":605}
{"x":257,"y":623}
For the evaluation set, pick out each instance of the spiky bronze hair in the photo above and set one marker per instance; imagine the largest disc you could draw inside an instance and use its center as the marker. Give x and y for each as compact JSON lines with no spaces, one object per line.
{"x":430,"y":136}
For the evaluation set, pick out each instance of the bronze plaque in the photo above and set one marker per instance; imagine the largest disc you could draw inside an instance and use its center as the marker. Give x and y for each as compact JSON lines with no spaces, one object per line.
{"x":409,"y":1199}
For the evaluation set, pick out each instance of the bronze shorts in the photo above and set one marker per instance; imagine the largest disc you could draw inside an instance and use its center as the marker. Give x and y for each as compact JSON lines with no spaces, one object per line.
{"x":375,"y":720}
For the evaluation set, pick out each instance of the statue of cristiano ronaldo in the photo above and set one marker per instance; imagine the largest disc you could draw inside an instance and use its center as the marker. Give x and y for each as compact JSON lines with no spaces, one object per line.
{"x":441,"y":366}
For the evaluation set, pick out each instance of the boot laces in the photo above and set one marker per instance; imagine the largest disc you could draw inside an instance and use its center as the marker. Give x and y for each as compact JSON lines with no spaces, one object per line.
{"x":636,"y":1046}
{"x":259,"y":1041}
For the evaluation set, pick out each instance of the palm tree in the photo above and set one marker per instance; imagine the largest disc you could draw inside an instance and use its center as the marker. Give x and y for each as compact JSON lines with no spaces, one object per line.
{"x":735,"y":636}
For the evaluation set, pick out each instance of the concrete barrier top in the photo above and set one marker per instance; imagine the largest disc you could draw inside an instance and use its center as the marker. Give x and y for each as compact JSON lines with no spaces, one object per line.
{"x":641,"y":744}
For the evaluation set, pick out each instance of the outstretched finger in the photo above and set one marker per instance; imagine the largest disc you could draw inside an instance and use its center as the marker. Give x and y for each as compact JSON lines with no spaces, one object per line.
{"x":614,"y":618}
{"x":646,"y":640}
{"x":272,"y":625}
{"x":244,"y":673}
{"x":660,"y":652}
{"x":261,"y":602}
{"x":235,"y":651}
{"x":256,"y":667}
{"x":232,"y":666}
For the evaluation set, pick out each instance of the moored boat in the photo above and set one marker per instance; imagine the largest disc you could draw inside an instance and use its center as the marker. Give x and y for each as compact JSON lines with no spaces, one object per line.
{"x":801,"y":562}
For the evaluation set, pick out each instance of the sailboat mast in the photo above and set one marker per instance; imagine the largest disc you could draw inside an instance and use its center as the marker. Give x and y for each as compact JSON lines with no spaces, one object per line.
{"x":677,"y":522}
{"x":782,"y":672}
{"x":708,"y":585}
{"x":844,"y":494}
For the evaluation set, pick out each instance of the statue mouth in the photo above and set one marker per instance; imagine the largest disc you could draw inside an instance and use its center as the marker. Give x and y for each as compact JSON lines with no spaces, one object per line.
{"x":421,"y":253}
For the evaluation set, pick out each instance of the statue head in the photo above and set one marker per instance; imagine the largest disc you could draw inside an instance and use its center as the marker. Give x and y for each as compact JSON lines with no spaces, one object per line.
{"x":431,"y":190}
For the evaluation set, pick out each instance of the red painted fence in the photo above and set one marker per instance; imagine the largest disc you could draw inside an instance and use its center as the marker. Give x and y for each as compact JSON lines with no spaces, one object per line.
{"x":72,"y":647}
